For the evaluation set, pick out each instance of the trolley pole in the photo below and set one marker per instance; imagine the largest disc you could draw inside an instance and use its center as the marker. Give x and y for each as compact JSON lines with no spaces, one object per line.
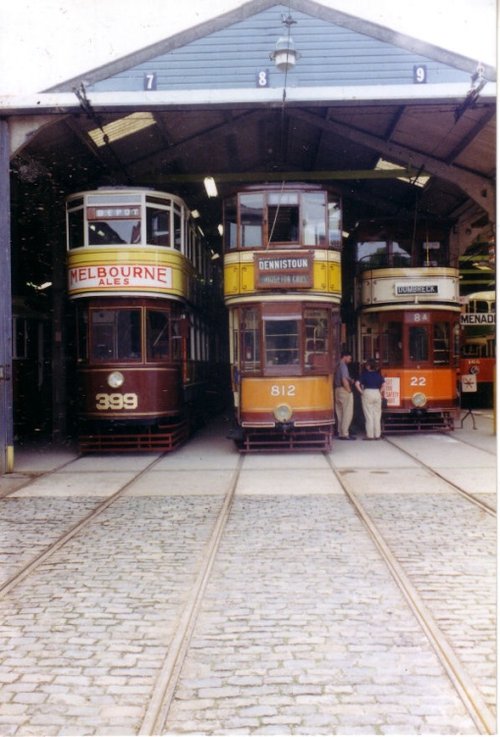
{"x":6,"y":414}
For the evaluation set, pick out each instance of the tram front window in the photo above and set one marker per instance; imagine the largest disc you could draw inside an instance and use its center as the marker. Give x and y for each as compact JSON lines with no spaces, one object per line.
{"x":283,"y":217}
{"x":251,"y":219}
{"x":116,"y":335}
{"x":314,"y":219}
{"x":418,"y":344}
{"x":158,"y":226}
{"x":105,"y":233}
{"x":282,"y":342}
{"x":157,"y":335}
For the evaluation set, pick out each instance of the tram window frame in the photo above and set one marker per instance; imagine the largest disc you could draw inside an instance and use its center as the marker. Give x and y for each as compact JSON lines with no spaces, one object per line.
{"x":282,"y":347}
{"x":418,"y":343}
{"x":177,"y":229}
{"x":283,"y":218}
{"x":76,"y":227}
{"x":315,"y":237}
{"x":157,"y":337}
{"x":334,"y":219}
{"x":441,"y":344}
{"x":156,"y":236}
{"x":251,"y":233}
{"x":114,"y":335}
{"x":230,"y":219}
{"x":250,"y":337}
{"x":317,"y":333}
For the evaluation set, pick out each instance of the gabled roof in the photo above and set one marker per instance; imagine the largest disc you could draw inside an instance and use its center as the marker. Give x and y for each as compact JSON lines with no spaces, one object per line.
{"x":352,"y":99}
{"x":229,"y":51}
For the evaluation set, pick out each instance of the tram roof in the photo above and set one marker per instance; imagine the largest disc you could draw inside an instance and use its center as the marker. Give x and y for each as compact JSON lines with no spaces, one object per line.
{"x":365,"y":109}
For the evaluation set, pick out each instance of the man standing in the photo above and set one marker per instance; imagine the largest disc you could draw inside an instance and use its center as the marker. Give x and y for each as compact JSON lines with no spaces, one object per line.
{"x":344,"y":402}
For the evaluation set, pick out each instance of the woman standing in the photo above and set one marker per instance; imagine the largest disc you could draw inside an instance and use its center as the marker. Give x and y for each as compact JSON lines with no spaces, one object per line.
{"x":371,"y":385}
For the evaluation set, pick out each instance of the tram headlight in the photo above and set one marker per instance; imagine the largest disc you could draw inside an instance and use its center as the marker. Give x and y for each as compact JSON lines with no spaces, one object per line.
{"x":419,"y":399}
{"x":282,"y":412}
{"x":116,"y":379}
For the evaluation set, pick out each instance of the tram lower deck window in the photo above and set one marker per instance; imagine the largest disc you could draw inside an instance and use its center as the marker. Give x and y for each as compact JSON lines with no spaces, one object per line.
{"x":116,"y":335}
{"x":281,"y":342}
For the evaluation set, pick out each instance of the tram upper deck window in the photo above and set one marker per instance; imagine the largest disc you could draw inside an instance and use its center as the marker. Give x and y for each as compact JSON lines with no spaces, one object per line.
{"x":334,"y":224}
{"x":283,"y":217}
{"x":114,"y":225}
{"x":115,"y":334}
{"x":157,"y":226}
{"x":314,"y":219}
{"x":75,"y":225}
{"x":230,"y":224}
{"x":251,"y":220}
{"x":380,"y":254}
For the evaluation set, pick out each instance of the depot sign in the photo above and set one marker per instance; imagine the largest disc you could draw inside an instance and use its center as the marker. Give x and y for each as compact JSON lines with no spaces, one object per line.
{"x":119,"y":276}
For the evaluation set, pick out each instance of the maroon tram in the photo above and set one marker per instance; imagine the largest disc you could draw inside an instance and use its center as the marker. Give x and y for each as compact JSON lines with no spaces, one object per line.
{"x":144,"y":289}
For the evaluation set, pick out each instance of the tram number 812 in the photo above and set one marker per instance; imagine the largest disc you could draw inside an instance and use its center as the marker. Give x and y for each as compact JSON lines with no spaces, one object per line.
{"x":283,"y":391}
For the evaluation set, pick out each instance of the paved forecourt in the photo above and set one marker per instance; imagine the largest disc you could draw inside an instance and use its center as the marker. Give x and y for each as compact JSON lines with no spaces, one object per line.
{"x":301,"y":628}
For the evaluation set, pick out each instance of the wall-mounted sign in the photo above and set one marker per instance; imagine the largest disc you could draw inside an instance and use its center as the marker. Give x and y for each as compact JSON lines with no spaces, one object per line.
{"x":286,"y":270}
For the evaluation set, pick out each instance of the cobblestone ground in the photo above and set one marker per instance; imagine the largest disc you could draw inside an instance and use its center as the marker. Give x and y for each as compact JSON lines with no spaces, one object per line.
{"x":82,"y":640}
{"x":302,"y":631}
{"x":450,"y":543}
{"x":29,"y":526}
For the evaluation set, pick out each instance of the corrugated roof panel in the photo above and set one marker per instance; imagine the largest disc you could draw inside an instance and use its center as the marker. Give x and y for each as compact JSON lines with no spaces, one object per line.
{"x":330,"y":55}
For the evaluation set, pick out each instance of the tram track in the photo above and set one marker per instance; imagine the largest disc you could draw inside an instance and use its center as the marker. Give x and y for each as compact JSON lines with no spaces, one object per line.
{"x":162,"y":694}
{"x":463,"y":492}
{"x":469,"y":693}
{"x":158,"y":707}
{"x":28,"y":568}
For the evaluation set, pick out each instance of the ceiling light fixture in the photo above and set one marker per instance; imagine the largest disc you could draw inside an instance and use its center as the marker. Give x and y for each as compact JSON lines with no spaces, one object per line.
{"x":210,"y":186}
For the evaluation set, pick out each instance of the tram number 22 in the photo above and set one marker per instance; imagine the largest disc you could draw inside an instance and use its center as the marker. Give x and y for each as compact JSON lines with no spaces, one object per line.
{"x":280,"y":390}
{"x":418,"y":381}
{"x":115,"y":401}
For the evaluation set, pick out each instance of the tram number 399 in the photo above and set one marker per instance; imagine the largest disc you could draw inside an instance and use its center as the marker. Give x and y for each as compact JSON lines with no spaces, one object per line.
{"x":115,"y":401}
{"x":282,"y":390}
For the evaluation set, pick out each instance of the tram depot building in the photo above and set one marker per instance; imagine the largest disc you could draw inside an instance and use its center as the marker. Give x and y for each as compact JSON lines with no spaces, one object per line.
{"x":266,"y":93}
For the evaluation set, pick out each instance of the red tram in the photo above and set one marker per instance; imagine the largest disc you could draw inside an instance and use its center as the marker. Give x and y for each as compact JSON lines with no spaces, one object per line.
{"x":478,"y":347}
{"x":140,"y":280}
{"x":406,"y":303}
{"x":282,"y":288}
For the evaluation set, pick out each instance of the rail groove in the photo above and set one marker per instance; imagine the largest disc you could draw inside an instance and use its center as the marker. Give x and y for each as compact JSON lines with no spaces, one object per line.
{"x":159,"y":705}
{"x":473,"y":700}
